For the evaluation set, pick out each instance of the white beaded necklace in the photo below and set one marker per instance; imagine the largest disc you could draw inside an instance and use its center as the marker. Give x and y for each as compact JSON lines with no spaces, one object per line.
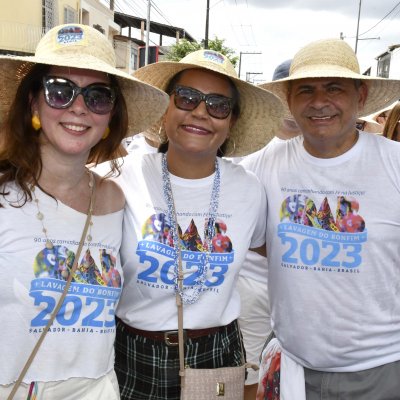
{"x":40,"y":216}
{"x":192,"y":295}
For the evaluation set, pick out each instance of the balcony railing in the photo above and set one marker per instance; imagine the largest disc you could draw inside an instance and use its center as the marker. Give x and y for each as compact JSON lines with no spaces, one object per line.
{"x":15,"y":37}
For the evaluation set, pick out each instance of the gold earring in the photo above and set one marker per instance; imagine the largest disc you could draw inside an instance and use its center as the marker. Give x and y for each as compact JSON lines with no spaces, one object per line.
{"x":36,"y":124}
{"x":106,"y":133}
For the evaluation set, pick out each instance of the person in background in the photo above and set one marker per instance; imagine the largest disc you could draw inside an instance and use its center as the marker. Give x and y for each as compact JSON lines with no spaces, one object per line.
{"x":61,"y":109}
{"x":142,"y":144}
{"x":289,"y":128}
{"x":368,"y":124}
{"x":392,"y":127}
{"x":333,"y":224}
{"x":252,"y":284}
{"x":187,"y":200}
{"x":381,"y":115}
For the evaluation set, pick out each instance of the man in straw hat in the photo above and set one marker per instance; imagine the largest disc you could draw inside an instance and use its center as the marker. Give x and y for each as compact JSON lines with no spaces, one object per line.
{"x":60,"y":109}
{"x":332,"y":234}
{"x":187,"y":201}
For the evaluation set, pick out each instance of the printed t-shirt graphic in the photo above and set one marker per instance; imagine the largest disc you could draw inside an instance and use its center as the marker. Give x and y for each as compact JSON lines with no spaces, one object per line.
{"x":156,"y":253}
{"x":93,"y":293}
{"x":314,"y":238}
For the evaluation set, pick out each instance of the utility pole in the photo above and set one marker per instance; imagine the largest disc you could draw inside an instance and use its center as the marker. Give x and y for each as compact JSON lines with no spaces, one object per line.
{"x":146,"y":53}
{"x":207,"y":22}
{"x":358,"y":25}
{"x":248,"y":76}
{"x":240,"y":60}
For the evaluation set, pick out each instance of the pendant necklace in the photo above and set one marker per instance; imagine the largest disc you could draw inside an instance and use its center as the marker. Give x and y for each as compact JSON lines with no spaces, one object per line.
{"x":190,"y":296}
{"x":40,"y":216}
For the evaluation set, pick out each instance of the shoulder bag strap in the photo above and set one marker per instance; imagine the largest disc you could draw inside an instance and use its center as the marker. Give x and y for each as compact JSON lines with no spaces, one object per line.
{"x":63,"y":295}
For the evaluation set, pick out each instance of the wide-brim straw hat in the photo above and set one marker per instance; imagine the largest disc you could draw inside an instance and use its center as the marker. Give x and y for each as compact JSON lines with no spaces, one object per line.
{"x":261,"y":112}
{"x":81,"y":46}
{"x":334,"y":58}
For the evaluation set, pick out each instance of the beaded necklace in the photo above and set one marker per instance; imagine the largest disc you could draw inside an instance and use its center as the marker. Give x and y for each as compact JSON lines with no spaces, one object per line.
{"x":40,"y":216}
{"x":190,"y":296}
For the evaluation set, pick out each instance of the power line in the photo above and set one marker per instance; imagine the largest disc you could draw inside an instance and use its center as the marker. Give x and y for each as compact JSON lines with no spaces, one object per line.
{"x":156,"y":8}
{"x":370,"y":29}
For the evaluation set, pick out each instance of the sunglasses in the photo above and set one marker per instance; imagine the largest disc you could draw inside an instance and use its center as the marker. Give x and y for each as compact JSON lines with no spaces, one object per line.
{"x":61,"y":93}
{"x":187,"y":99}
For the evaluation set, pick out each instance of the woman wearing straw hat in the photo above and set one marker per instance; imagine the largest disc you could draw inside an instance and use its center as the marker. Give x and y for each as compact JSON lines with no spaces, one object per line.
{"x":334,"y":255}
{"x":60,"y":109}
{"x":187,"y":201}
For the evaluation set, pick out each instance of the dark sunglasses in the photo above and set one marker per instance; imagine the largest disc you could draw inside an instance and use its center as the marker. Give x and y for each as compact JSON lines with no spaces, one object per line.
{"x":187,"y":99}
{"x":61,"y":93}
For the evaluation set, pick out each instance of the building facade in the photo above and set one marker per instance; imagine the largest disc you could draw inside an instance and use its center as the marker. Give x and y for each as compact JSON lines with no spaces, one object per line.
{"x":21,"y":30}
{"x":24,"y":22}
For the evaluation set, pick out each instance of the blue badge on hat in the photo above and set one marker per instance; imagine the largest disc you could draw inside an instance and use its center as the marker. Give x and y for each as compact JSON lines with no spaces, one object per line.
{"x":70,"y":35}
{"x":214,"y":57}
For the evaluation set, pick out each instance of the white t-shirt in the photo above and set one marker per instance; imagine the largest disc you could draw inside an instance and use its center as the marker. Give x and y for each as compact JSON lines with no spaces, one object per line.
{"x":80,"y":342}
{"x":255,"y":266}
{"x":139,"y":145}
{"x":333,"y":252}
{"x":148,"y":299}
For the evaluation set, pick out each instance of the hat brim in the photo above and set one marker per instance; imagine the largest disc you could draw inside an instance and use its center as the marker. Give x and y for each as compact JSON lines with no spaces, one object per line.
{"x":261,"y":112}
{"x":145,"y":103}
{"x":381,"y":91}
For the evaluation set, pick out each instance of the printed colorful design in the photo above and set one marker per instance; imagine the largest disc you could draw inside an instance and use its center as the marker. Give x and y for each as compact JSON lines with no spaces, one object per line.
{"x":70,"y":35}
{"x":315,"y":238}
{"x":156,"y":253}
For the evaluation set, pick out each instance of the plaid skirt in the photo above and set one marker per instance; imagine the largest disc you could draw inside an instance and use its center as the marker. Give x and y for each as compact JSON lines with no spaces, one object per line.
{"x":149,"y":370}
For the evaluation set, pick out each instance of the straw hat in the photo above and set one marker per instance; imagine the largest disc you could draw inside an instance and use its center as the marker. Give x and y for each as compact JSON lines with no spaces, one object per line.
{"x":334,"y":58}
{"x":260,"y":111}
{"x":81,"y":46}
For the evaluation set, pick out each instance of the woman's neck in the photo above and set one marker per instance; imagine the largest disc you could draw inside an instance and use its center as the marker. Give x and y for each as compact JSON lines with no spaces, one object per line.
{"x":67,"y":179}
{"x":190,"y":166}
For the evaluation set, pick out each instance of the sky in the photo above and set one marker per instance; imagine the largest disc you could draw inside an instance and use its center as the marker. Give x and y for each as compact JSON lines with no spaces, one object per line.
{"x":274,"y":30}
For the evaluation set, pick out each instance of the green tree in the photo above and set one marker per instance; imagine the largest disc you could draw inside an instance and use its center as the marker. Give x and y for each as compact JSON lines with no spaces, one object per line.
{"x":184,"y":47}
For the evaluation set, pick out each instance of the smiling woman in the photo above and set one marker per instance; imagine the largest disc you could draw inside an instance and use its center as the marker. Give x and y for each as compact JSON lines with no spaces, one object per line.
{"x":197,"y":212}
{"x":61,"y":225}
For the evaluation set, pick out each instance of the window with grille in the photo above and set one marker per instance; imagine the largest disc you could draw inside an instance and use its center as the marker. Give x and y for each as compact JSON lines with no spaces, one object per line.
{"x":49,"y":14}
{"x":384,"y":66}
{"x":69,"y":15}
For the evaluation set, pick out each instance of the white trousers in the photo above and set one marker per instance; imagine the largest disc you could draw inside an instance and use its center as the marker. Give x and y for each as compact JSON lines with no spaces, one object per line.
{"x":104,"y":388}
